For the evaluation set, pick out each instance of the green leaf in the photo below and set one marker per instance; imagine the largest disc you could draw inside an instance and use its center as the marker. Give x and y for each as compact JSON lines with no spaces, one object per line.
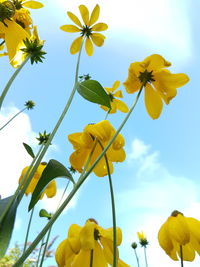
{"x":94,"y":92}
{"x":53,"y":170}
{"x":29,"y":150}
{"x":7,"y":225}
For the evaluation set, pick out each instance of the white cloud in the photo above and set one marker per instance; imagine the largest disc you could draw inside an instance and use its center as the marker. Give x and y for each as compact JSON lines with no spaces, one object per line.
{"x":150,"y":199}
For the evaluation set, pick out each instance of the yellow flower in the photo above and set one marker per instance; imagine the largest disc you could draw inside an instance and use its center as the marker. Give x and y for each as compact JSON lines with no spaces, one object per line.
{"x":142,"y":239}
{"x":22,"y":17}
{"x":180,"y":231}
{"x":50,"y":190}
{"x":88,"y":30}
{"x":83,"y":143}
{"x":115,"y":103}
{"x":159,"y":84}
{"x":75,"y":251}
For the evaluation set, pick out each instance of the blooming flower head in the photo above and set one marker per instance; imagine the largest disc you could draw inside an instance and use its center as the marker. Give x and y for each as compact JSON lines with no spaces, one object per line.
{"x":86,"y":144}
{"x":115,"y":103}
{"x":50,"y":190}
{"x":159,"y":84}
{"x":180,"y":233}
{"x":76,"y":249}
{"x":142,"y":239}
{"x":88,"y":29}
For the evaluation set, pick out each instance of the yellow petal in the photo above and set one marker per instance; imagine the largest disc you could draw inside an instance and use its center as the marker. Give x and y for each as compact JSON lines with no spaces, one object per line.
{"x":153,"y":102}
{"x":100,"y":27}
{"x":108,"y":250}
{"x":118,"y":94}
{"x":84,"y":14}
{"x":95,"y":15}
{"x":78,"y":158}
{"x":99,"y":259}
{"x":76,"y":45}
{"x":115,"y":85}
{"x":69,"y":28}
{"x":50,"y":190}
{"x":108,"y":234}
{"x":76,"y":140}
{"x":82,"y":259}
{"x":89,"y":47}
{"x":132,"y":83}
{"x":119,"y":142}
{"x":64,"y":254}
{"x":121,"y":105}
{"x":97,"y":38}
{"x":74,"y":19}
{"x":155,"y":62}
{"x":87,"y":236}
{"x":101,"y":168}
{"x":116,"y":155}
{"x":32,"y":4}
{"x":178,"y":229}
{"x":74,"y":230}
{"x":14,"y":36}
{"x":188,"y":253}
{"x":194,"y":226}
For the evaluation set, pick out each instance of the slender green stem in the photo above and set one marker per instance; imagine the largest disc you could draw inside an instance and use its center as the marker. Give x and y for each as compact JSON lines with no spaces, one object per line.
{"x":2,"y":42}
{"x":145,"y":256}
{"x":38,"y":259}
{"x":55,"y":128}
{"x":107,"y":114}
{"x":181,"y":255}
{"x":13,"y":118}
{"x":74,"y":190}
{"x":113,"y":210}
{"x":16,"y":194}
{"x":45,"y":247}
{"x":63,"y":194}
{"x":5,"y":90}
{"x":91,"y":257}
{"x":137,"y":259}
{"x":28,"y":230}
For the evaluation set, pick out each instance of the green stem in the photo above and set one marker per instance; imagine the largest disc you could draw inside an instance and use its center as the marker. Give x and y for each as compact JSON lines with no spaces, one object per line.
{"x":13,"y":118}
{"x":145,"y":256}
{"x":74,"y":190}
{"x":107,"y":114}
{"x":113,"y":210}
{"x":2,"y":42}
{"x":38,"y":259}
{"x":137,"y":258}
{"x":16,"y":194}
{"x":181,"y":255}
{"x":55,"y":128}
{"x":5,"y":90}
{"x":45,"y":248}
{"x":91,"y":257}
{"x":63,"y":194}
{"x":28,"y":230}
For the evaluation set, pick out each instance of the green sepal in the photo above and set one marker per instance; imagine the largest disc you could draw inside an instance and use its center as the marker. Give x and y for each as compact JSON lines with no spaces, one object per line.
{"x":94,"y":92}
{"x":53,"y":170}
{"x":44,"y":213}
{"x":7,"y":224}
{"x":29,"y":150}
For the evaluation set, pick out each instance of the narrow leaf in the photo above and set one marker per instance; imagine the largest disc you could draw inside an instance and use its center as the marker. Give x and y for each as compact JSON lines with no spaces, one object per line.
{"x":53,"y":170}
{"x":94,"y":92}
{"x":29,"y":150}
{"x":7,"y":225}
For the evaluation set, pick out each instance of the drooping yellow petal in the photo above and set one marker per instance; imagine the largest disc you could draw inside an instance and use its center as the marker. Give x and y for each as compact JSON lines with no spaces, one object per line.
{"x":113,"y":108}
{"x":132,"y":83}
{"x":194,"y":226}
{"x":82,"y":259}
{"x":84,"y":14}
{"x":64,"y":254}
{"x":108,"y":234}
{"x":89,"y":47}
{"x":32,"y":4}
{"x":74,"y":19}
{"x":116,"y":155}
{"x":178,"y":229}
{"x":108,"y":250}
{"x":78,"y":158}
{"x":101,"y":168}
{"x":118,"y":94}
{"x":69,"y":28}
{"x":76,"y":45}
{"x":153,"y":102}
{"x":121,"y":105}
{"x":97,"y":38}
{"x":155,"y":62}
{"x":50,"y":190}
{"x":87,"y":236}
{"x":99,"y":259}
{"x":119,"y":142}
{"x":95,"y":15}
{"x":115,"y":85}
{"x":100,"y":27}
{"x":188,"y":253}
{"x":76,"y":140}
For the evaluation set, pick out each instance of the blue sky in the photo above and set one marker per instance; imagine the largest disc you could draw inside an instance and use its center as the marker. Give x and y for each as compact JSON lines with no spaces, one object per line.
{"x":161,"y":172}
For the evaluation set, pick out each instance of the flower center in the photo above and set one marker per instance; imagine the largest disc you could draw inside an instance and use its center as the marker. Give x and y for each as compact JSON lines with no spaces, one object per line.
{"x":87,"y":31}
{"x":146,"y":77}
{"x":18,"y":4}
{"x":111,"y":97}
{"x":7,"y":11}
{"x":176,"y":213}
{"x":96,"y":234}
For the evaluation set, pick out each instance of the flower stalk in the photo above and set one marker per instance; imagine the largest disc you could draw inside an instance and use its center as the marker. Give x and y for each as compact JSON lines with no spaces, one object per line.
{"x":181,"y":255}
{"x":28,"y":230}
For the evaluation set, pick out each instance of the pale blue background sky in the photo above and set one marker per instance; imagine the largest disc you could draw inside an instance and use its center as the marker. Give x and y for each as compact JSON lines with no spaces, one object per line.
{"x":161,"y":172}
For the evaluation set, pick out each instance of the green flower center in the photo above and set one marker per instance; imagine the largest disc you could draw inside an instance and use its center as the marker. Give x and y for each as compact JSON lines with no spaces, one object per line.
{"x":18,"y":4}
{"x":146,"y":77}
{"x":111,"y":97}
{"x":86,"y":31}
{"x":7,"y":11}
{"x":176,"y":213}
{"x":96,"y":234}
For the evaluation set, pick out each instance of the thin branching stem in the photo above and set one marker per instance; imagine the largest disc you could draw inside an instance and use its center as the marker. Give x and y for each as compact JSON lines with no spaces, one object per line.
{"x":12,"y":118}
{"x":28,"y":230}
